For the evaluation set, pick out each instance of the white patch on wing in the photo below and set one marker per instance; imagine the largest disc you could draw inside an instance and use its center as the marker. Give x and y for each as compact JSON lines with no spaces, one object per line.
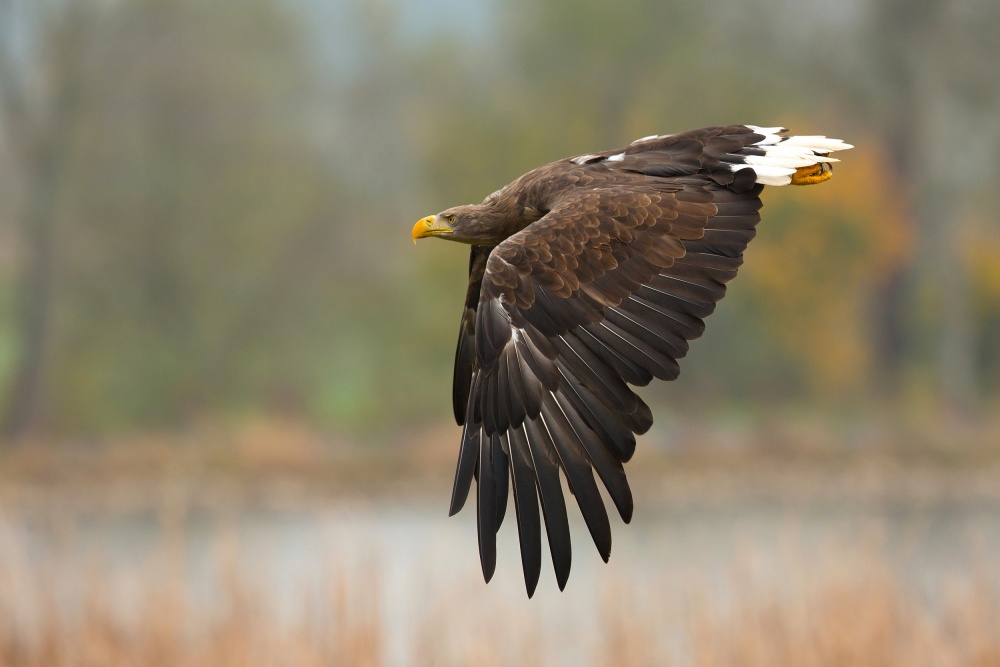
{"x":639,"y":141}
{"x":517,"y":334}
{"x":584,"y":159}
{"x":618,"y":157}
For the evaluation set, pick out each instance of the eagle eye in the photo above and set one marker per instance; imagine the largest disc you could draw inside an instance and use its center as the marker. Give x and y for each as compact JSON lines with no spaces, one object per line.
{"x":450,"y":217}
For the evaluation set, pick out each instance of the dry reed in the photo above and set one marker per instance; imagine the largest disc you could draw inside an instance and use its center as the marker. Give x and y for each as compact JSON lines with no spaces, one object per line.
{"x":858,"y":615}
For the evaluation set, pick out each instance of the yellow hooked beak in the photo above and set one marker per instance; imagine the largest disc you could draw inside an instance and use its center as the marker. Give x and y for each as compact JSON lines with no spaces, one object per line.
{"x":429,"y":227}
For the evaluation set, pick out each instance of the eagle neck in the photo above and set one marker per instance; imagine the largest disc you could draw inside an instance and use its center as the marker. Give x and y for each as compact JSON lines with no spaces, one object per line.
{"x":505,"y":215}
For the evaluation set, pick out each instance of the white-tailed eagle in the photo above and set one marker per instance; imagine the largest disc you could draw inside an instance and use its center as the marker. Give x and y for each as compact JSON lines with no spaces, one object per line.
{"x":587,"y":277}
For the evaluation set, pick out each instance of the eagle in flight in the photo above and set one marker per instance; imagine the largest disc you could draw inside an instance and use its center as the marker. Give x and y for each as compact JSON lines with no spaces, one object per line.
{"x":589,"y":276}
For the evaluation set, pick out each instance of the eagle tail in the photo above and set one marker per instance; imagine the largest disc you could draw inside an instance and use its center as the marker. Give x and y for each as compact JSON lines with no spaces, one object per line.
{"x":782,"y":160}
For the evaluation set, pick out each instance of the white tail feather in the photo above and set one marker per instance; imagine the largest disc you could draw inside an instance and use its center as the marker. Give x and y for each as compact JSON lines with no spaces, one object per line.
{"x":783,"y":155}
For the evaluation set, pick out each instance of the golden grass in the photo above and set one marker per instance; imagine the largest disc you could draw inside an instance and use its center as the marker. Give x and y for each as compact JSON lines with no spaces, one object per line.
{"x":857,"y":611}
{"x":859,"y":615}
{"x":865,"y":619}
{"x":169,"y":628}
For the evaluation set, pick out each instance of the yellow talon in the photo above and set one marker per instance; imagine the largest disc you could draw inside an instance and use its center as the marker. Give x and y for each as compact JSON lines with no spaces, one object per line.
{"x":816,"y":173}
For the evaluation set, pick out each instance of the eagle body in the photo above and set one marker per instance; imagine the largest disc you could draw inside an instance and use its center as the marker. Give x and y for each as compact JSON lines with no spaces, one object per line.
{"x":587,"y":277}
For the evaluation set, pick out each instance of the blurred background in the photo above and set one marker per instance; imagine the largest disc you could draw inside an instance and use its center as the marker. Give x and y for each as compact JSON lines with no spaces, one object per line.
{"x":225,"y":370}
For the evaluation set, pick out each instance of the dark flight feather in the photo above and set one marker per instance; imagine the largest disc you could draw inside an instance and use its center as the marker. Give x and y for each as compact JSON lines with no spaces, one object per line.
{"x":598,"y":272}
{"x":526,"y":508}
{"x":543,"y":458}
{"x":567,"y":432}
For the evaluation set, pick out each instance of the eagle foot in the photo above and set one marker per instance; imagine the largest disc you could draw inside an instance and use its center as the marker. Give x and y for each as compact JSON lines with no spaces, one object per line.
{"x":814,"y":173}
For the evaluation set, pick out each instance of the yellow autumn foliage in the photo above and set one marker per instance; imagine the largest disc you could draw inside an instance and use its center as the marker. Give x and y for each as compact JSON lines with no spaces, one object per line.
{"x":980,"y":249}
{"x":819,"y":256}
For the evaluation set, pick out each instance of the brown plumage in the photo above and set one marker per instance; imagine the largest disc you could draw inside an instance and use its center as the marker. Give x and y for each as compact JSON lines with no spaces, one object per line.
{"x":586,"y":276}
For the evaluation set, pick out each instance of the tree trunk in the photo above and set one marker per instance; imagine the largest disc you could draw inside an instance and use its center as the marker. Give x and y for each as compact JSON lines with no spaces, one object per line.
{"x":43,"y":142}
{"x":34,"y":296}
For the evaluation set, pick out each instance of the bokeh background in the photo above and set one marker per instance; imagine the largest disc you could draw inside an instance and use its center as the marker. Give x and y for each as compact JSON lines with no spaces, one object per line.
{"x":225,"y":370}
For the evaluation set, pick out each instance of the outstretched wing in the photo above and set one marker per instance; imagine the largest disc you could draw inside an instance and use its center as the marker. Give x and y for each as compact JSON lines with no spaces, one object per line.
{"x":603,"y":292}
{"x":598,"y":294}
{"x":465,"y":351}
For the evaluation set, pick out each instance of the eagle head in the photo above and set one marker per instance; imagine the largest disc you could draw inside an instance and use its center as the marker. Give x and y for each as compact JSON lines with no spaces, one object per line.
{"x":465,"y":224}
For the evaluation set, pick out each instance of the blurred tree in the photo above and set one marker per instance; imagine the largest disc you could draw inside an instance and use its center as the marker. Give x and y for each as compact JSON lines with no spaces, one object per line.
{"x":919,"y":76}
{"x":211,"y":202}
{"x":936,"y":102}
{"x":810,"y":274}
{"x":39,"y":112}
{"x":193,"y":214}
{"x":201,"y":232}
